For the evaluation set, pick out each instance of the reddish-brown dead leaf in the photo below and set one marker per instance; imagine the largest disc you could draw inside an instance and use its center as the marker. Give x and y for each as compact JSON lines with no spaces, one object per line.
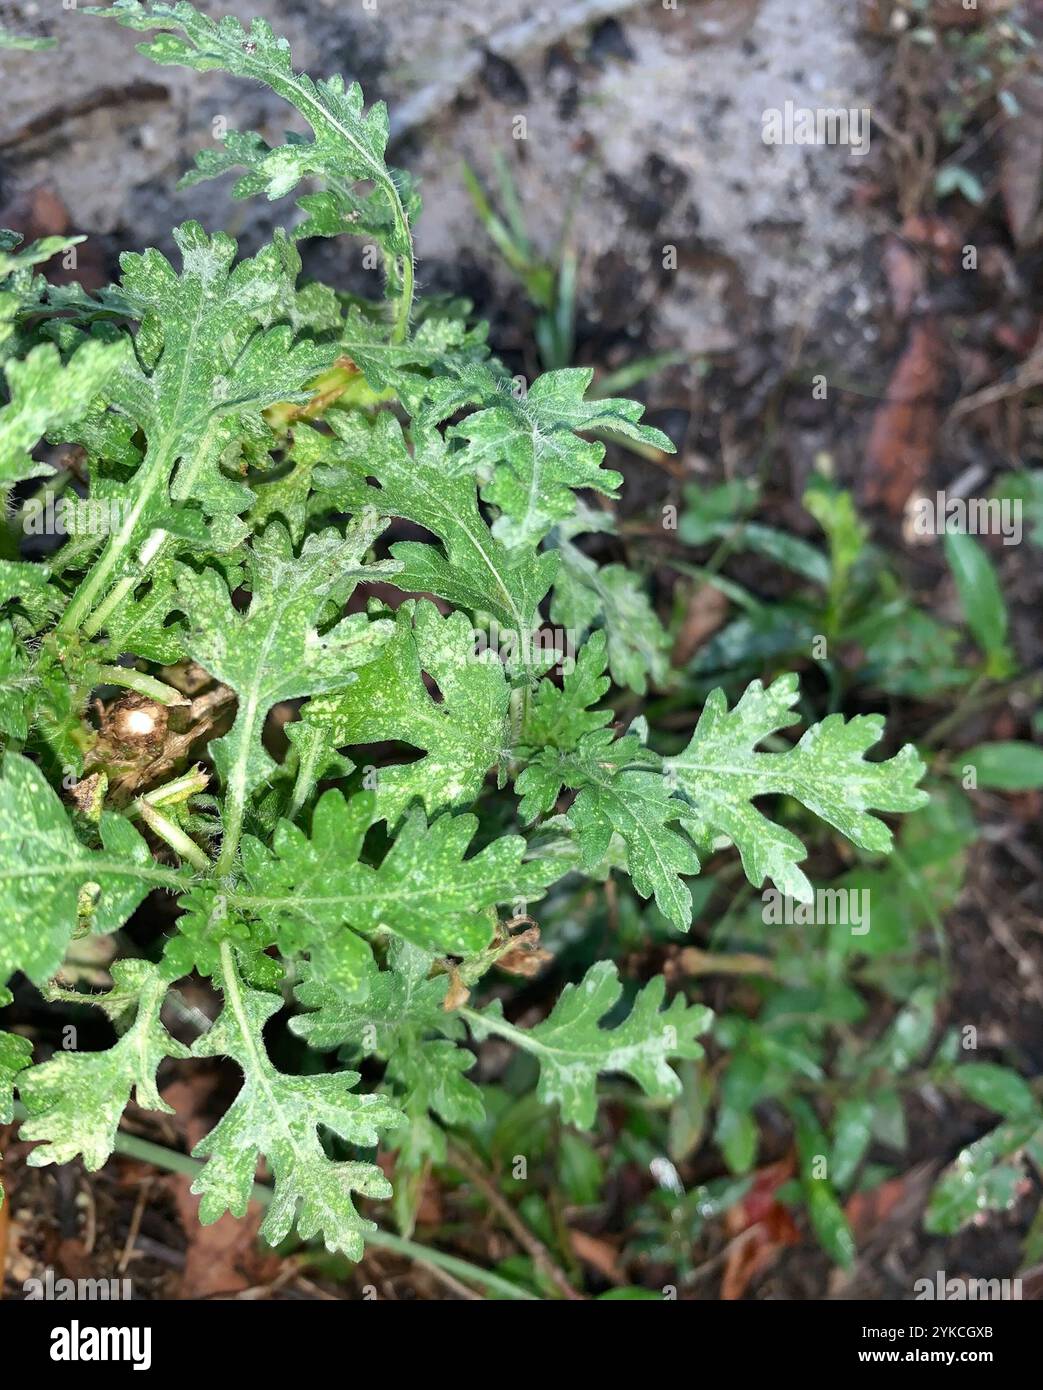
{"x":866,"y":1210}
{"x":600,"y":1254}
{"x":457,"y":995}
{"x":525,"y":956}
{"x":707,"y":610}
{"x":1021,"y":158}
{"x":905,"y":428}
{"x":760,"y":1226}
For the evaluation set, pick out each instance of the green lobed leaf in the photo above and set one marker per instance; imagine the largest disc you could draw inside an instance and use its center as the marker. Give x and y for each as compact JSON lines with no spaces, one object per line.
{"x":275,"y":650}
{"x":50,"y":882}
{"x":527,"y":452}
{"x":424,"y":890}
{"x":559,"y":717}
{"x":573,"y":1049}
{"x":45,"y":395}
{"x":721,"y":771}
{"x":216,"y":345}
{"x":587,"y":595}
{"x":472,"y":570}
{"x":278,"y":1117}
{"x":395,"y":1022}
{"x":348,"y":145}
{"x":16,"y":682}
{"x":462,"y":734}
{"x":617,"y":798}
{"x":76,"y":1099}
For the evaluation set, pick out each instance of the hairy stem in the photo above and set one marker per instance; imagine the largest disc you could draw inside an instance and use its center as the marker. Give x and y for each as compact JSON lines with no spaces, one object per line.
{"x":142,"y":683}
{"x":173,"y":835}
{"x":150,"y":475}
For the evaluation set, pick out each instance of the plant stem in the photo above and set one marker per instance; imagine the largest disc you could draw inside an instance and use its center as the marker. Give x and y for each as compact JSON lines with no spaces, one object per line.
{"x":304,"y":783}
{"x":141,"y":682}
{"x":174,"y":836}
{"x":534,"y":1247}
{"x":180,"y":789}
{"x":152,"y":472}
{"x":232,"y":816}
{"x":116,"y":596}
{"x":519,"y":1036}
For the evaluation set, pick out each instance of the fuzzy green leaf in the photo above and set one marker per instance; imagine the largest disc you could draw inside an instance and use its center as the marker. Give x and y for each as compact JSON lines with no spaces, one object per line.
{"x":560,"y":717}
{"x":395,"y":1023}
{"x":15,"y":1055}
{"x":526,"y":451}
{"x":573,"y":1049}
{"x":348,"y":146}
{"x":462,"y":735}
{"x":473,"y":571}
{"x":45,"y":396}
{"x":75,"y":1100}
{"x":721,"y":772}
{"x":424,"y":891}
{"x":278,"y":1117}
{"x":49,"y":881}
{"x":587,"y":595}
{"x":617,"y":795}
{"x":275,"y":650}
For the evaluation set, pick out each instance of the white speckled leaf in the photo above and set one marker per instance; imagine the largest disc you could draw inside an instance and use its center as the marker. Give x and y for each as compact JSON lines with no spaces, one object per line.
{"x":46,"y":874}
{"x":620,"y":791}
{"x":559,"y":716}
{"x":213,"y":349}
{"x":586,"y":594}
{"x":274,"y":650}
{"x":278,"y":1116}
{"x":348,"y":145}
{"x":573,"y":1049}
{"x":474,"y":570}
{"x":75,"y":1100}
{"x":395,"y":1022}
{"x":530,"y":458}
{"x":15,"y":685}
{"x":424,"y":890}
{"x":15,"y":1055}
{"x":721,"y":771}
{"x":45,"y":395}
{"x":462,"y":735}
